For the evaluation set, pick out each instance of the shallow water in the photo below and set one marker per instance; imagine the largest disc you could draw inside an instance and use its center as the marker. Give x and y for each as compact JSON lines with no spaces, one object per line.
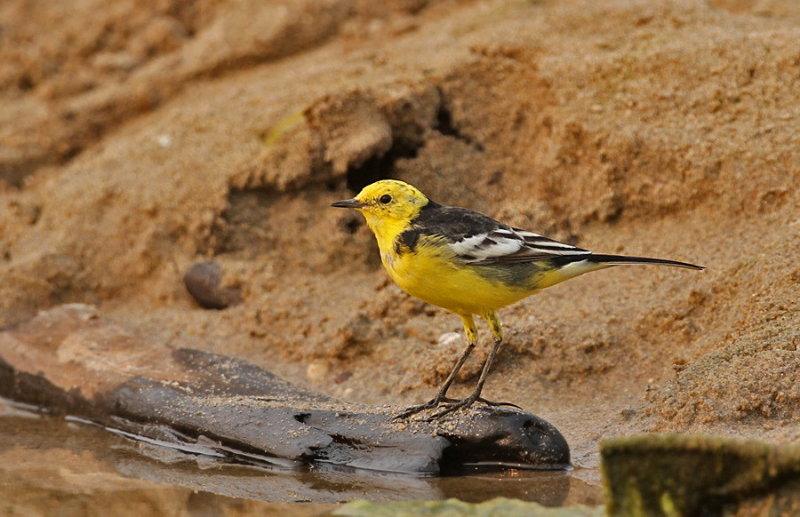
{"x":50,"y":462}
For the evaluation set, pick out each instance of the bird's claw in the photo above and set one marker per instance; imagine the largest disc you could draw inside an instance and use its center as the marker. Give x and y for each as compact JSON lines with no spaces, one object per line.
{"x":413,"y":410}
{"x":492,"y":403}
{"x":465,"y":403}
{"x":455,"y":406}
{"x":450,"y":405}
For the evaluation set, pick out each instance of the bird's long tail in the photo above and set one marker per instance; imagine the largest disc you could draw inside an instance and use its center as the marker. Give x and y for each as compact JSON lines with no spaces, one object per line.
{"x":570,"y":266}
{"x":622,"y":260}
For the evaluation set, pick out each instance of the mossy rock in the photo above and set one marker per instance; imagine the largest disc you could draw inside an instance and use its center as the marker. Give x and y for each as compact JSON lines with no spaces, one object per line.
{"x":672,"y":475}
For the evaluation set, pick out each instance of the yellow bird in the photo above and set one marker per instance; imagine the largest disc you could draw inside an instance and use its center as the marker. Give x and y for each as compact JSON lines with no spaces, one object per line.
{"x":468,"y":264}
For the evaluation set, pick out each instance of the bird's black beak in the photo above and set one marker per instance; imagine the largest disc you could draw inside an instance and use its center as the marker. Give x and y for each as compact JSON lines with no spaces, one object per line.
{"x":349,"y":203}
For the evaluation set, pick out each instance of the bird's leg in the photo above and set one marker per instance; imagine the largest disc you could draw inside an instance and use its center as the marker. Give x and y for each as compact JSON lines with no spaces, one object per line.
{"x":476,"y":394}
{"x":471,"y":333}
{"x":497,"y":334}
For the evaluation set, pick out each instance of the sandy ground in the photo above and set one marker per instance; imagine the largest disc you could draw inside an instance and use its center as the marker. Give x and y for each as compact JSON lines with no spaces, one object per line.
{"x":139,"y":138}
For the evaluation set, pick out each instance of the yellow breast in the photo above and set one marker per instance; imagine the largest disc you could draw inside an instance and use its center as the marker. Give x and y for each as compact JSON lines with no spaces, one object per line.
{"x":431,"y":273}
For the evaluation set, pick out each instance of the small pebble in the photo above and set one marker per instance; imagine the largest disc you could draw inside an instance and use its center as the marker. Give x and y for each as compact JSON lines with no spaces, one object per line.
{"x":203,"y":283}
{"x":448,"y":338}
{"x":317,"y":370}
{"x":164,"y":140}
{"x":342,"y":377}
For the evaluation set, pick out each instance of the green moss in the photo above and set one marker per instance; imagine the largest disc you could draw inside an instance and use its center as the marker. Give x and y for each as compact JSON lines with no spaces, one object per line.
{"x":663,"y":474}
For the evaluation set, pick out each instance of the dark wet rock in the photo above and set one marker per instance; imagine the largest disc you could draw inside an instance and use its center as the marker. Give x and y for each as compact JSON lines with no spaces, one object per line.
{"x":204,"y":283}
{"x":503,"y":437}
{"x":72,"y":361}
{"x":671,"y":474}
{"x":54,"y":450}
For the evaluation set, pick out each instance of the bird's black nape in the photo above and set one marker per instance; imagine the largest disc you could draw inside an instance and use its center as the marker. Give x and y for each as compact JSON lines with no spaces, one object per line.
{"x":431,"y":204}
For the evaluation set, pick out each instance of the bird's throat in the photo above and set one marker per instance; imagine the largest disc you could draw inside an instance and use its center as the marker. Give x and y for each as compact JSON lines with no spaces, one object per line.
{"x":386,"y":231}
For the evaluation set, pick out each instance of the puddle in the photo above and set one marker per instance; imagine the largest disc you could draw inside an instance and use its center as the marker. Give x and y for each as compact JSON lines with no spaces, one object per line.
{"x":48,"y":460}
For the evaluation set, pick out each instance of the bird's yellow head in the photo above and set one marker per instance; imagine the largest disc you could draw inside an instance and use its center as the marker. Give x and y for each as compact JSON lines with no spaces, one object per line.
{"x":387,"y":205}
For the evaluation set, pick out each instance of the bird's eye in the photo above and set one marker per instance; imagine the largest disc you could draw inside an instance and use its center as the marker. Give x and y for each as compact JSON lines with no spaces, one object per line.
{"x":386,"y":198}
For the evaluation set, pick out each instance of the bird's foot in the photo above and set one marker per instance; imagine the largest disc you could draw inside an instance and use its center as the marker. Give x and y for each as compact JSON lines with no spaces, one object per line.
{"x":413,"y":410}
{"x":455,"y":405}
{"x":497,"y":404}
{"x":450,"y":406}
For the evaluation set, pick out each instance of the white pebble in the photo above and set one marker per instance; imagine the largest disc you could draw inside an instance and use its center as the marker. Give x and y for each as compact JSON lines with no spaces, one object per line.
{"x":164,"y":140}
{"x":448,"y":338}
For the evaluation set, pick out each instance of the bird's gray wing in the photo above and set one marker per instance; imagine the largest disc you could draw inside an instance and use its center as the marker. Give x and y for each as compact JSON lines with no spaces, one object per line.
{"x":475,"y":238}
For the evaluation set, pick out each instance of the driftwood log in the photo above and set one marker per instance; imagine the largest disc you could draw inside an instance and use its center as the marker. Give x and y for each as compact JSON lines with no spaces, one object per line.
{"x":72,"y":361}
